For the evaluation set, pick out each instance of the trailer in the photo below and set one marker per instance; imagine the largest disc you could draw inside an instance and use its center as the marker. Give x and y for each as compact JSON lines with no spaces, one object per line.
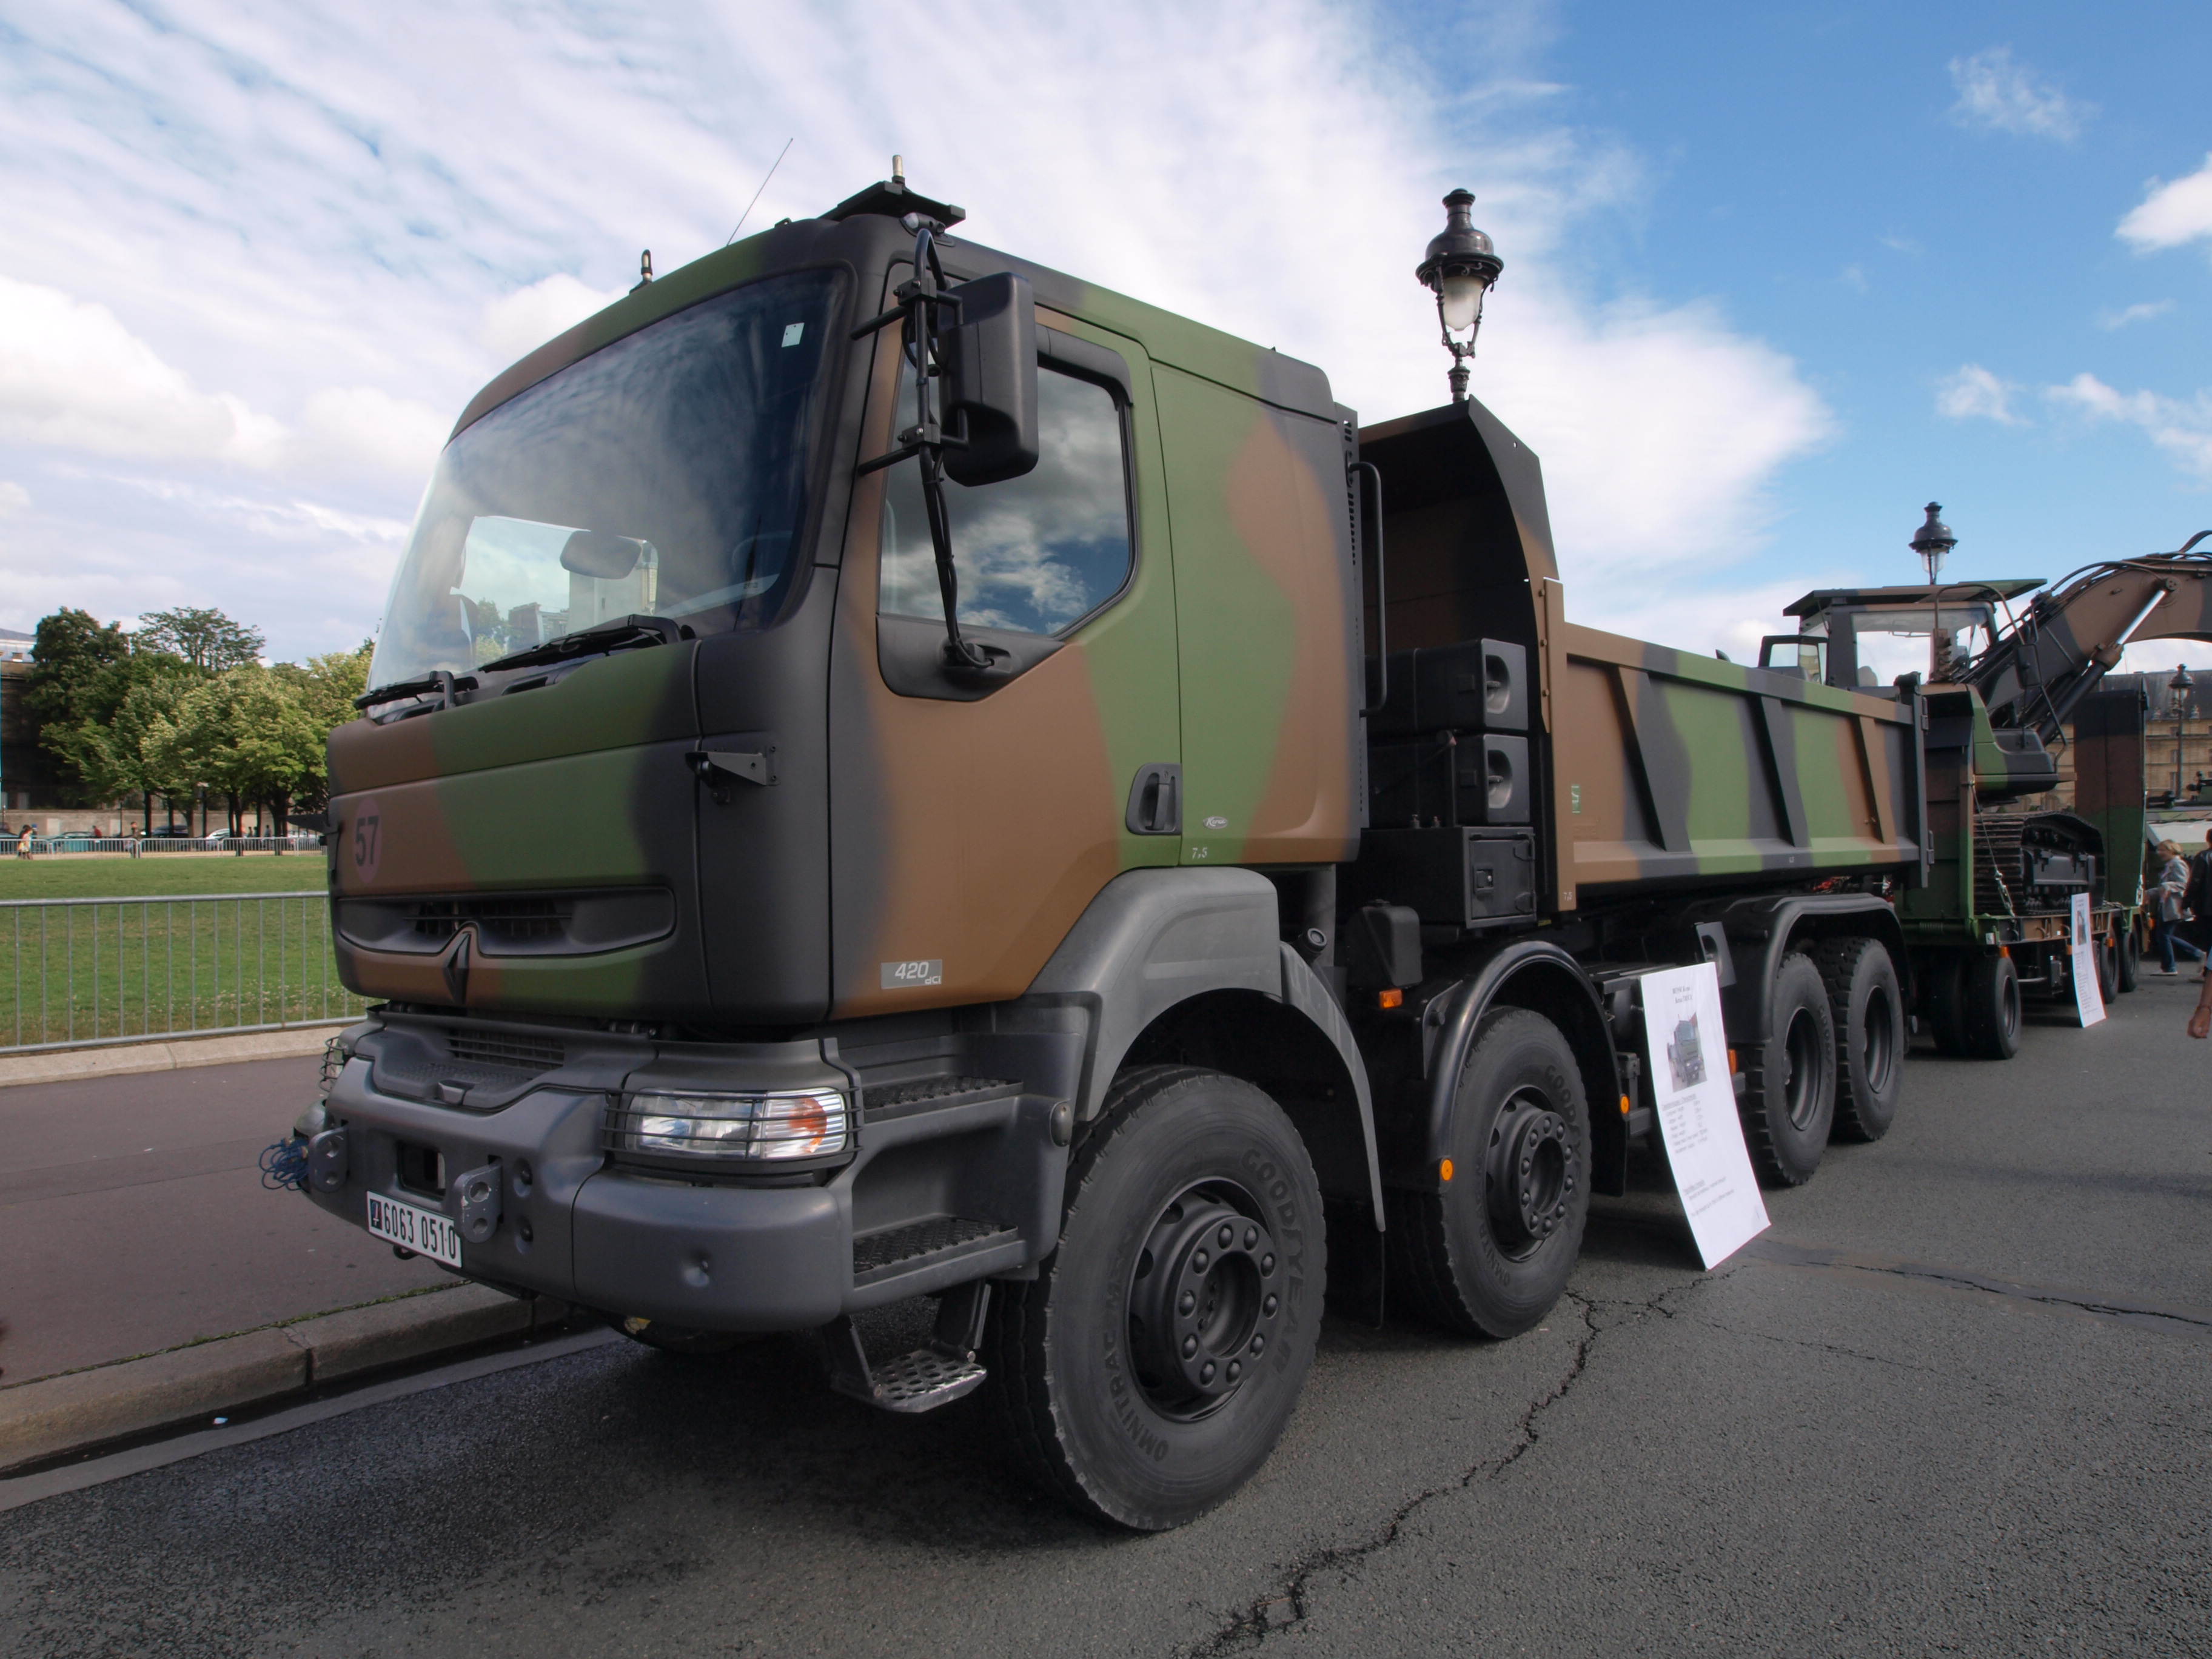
{"x":892,"y":771}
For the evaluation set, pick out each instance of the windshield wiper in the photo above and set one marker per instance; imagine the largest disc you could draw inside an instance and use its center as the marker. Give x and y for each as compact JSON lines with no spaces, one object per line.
{"x":621,"y":634}
{"x":438,"y":680}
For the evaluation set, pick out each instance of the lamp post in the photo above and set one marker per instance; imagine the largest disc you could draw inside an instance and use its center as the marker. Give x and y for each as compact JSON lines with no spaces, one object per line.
{"x":1932,"y":541}
{"x":1459,"y":268}
{"x":2180,"y":685}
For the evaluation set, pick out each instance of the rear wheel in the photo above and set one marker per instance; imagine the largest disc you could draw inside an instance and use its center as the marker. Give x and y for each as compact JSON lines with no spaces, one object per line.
{"x":2130,"y":960}
{"x":2108,"y":968}
{"x":1868,"y":1006}
{"x":1489,"y":1253}
{"x":1991,"y":992}
{"x":1789,"y":1094}
{"x":1148,"y":1370}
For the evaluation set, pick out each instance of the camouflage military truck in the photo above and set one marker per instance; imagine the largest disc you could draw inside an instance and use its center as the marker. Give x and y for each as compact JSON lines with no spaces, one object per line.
{"x":895,"y":772}
{"x":1991,"y":925}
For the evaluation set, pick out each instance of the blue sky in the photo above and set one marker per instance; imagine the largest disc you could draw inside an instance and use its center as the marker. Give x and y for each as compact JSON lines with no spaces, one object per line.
{"x":1775,"y":275}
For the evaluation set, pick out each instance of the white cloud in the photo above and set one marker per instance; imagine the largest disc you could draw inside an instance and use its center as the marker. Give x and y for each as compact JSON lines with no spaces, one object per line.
{"x":2171,"y":214}
{"x":346,"y":233}
{"x":1974,"y":394}
{"x":2183,"y":429}
{"x":14,"y":498}
{"x":2134,"y":313}
{"x":1853,"y":277}
{"x":71,"y":374}
{"x":517,"y":324}
{"x":1996,"y":94}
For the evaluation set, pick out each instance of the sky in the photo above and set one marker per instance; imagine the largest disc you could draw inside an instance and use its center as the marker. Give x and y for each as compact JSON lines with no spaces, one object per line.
{"x":1776,"y":275}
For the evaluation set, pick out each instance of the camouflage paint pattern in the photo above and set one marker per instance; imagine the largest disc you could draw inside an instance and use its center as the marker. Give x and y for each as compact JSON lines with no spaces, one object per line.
{"x":1670,"y":767}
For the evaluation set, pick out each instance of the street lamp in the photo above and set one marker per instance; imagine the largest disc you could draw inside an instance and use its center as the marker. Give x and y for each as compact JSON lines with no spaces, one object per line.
{"x":1933,"y":541}
{"x":1459,"y":269}
{"x":2180,"y":685}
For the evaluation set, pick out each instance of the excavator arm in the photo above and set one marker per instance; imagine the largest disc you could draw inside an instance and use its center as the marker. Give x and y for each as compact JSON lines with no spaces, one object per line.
{"x":2072,"y":634}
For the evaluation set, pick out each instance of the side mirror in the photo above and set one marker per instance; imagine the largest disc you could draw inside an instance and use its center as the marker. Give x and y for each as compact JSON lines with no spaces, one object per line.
{"x":989,"y":381}
{"x":597,"y":553}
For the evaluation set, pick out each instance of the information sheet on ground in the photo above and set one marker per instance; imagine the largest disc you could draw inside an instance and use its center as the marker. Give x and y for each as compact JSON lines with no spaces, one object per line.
{"x":1696,"y":1101}
{"x":2089,"y":995}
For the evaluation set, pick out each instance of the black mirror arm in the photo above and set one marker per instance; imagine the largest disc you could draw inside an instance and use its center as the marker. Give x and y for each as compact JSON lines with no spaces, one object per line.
{"x":921,"y":299}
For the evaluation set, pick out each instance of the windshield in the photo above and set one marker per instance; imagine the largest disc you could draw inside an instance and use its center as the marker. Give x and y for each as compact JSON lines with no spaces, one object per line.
{"x":664,"y":475}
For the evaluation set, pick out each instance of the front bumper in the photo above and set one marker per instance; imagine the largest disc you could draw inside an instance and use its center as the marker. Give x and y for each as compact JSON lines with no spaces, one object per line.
{"x":714,"y":1255}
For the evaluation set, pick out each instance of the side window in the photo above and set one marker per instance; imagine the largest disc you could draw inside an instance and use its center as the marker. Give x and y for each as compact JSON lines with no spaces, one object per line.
{"x":1036,"y":554}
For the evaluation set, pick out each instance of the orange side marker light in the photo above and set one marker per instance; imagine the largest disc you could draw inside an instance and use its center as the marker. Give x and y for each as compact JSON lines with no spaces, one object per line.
{"x":1624,"y":1105}
{"x":1444,"y":1168}
{"x":1393,"y":997}
{"x":1733,"y":1067}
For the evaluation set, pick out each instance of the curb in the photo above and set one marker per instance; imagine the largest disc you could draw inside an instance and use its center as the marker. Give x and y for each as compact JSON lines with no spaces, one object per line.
{"x":57,"y":1415}
{"x":70,"y":1064}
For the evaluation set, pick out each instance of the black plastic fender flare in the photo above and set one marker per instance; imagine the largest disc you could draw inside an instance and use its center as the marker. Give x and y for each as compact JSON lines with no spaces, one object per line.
{"x":1448,"y":1023}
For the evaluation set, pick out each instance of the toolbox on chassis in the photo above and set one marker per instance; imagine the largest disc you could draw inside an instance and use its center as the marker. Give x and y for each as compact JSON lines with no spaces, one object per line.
{"x":893,"y":771}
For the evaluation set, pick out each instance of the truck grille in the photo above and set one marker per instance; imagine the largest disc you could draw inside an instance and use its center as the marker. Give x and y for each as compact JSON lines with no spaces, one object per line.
{"x":510,"y":924}
{"x":507,"y":1052}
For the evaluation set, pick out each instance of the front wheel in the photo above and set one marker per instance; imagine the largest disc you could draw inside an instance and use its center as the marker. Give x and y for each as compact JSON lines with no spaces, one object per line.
{"x":1489,"y":1252}
{"x":1149,"y":1369}
{"x":1992,"y":1000}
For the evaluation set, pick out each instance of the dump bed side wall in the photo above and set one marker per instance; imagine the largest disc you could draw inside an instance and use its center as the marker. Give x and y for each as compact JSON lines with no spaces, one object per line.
{"x":1675,"y":769}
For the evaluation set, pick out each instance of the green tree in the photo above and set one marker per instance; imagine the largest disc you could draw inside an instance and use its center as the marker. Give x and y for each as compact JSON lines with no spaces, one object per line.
{"x":245,"y":734}
{"x":68,"y":655}
{"x":325,"y":688}
{"x":206,"y":638}
{"x":117,"y":748}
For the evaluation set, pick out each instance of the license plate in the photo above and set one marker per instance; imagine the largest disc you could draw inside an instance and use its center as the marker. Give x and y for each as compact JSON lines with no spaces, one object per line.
{"x":423,"y":1231}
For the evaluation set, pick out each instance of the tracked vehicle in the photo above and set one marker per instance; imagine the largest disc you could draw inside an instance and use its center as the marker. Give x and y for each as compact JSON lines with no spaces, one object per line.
{"x":893,"y":771}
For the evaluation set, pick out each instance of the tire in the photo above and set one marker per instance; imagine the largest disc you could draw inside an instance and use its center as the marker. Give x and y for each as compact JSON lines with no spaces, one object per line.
{"x":1789,"y":1102}
{"x":2108,"y":969}
{"x":1944,"y":997}
{"x":1867,"y":1006}
{"x":1990,"y":994}
{"x":2131,"y":974}
{"x":1487,"y":1255}
{"x":1130,"y":1402}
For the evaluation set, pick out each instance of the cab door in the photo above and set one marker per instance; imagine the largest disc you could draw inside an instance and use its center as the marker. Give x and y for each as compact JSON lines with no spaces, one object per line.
{"x":971,"y":825}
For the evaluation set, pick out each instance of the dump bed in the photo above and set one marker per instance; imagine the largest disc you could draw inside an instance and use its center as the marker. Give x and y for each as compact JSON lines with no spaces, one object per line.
{"x":1654,"y":769}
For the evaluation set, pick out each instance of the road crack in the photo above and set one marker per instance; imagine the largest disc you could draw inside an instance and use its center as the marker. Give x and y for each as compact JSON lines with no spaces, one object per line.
{"x":1285,"y":1606}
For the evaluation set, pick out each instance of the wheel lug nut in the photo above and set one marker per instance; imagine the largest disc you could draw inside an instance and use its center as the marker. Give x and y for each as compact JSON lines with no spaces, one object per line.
{"x":1226,"y":1237}
{"x":1189,"y":1300}
{"x":1259,"y":1344}
{"x":1236,"y":1370}
{"x":1189,"y":1346}
{"x":1267,"y":1263}
{"x":1269,"y":1306}
{"x":1205,"y":1372}
{"x":1251,"y":1236}
{"x":1199,"y":1261}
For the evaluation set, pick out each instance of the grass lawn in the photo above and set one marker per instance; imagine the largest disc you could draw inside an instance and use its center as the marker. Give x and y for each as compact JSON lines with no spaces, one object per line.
{"x":118,"y":875}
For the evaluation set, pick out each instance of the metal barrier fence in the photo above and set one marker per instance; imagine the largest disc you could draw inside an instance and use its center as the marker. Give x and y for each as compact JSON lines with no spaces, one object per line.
{"x":81,"y":973}
{"x":41,"y":846}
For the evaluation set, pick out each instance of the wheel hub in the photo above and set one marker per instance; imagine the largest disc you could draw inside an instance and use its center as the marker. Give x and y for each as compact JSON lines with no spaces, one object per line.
{"x":1205,"y":1301}
{"x":1529,"y":1178}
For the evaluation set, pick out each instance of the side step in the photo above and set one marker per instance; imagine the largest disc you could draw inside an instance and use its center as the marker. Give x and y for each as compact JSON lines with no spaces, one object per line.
{"x":932,"y":1376}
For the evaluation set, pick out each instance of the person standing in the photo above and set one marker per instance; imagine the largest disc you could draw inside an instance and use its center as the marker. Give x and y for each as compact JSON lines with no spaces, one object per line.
{"x":2173,"y":883}
{"x":2197,"y":899}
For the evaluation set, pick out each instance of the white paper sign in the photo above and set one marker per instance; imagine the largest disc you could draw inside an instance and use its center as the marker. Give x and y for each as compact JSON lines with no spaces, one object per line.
{"x":2089,"y":995}
{"x":1696,"y":1099}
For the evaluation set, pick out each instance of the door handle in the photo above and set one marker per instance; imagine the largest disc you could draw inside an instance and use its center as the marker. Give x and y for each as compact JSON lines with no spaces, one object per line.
{"x":1156,"y":801}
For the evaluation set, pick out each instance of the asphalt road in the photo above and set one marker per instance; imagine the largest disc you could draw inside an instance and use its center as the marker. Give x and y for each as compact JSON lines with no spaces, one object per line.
{"x":133,"y":1219}
{"x":1960,"y":1399}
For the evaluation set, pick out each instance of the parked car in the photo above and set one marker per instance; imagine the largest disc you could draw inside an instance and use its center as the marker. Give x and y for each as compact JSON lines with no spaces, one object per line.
{"x":172,"y":832}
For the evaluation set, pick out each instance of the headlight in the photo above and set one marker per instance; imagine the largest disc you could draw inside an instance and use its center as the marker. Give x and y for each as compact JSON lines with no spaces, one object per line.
{"x":803,"y":1123}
